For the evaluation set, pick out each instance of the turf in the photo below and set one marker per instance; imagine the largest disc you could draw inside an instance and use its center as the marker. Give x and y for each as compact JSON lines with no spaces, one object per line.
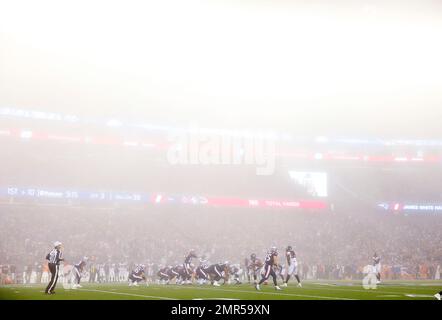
{"x":311,"y":290}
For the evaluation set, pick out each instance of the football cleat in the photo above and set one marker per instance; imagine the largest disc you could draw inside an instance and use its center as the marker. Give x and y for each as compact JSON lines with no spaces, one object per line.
{"x":216,"y":284}
{"x":437,"y":296}
{"x":257,"y":287}
{"x":284,"y":284}
{"x":277,"y":288}
{"x":300,"y":285}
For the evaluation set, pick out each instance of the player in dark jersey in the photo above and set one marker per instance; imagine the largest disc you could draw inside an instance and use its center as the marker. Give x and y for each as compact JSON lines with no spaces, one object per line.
{"x":377,"y":267}
{"x":271,"y":260}
{"x":255,"y":267}
{"x":77,"y":270}
{"x":173,"y":273}
{"x":217,"y":272}
{"x":137,"y":275}
{"x":200,"y":273}
{"x":292,"y":266}
{"x":181,"y":274}
{"x":188,"y":267}
{"x":163,"y":275}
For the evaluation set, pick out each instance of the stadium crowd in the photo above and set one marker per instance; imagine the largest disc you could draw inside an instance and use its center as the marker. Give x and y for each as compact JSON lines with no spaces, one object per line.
{"x":333,"y":244}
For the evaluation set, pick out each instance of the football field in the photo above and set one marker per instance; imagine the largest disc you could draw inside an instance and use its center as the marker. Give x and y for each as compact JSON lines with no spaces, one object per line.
{"x":311,"y":290}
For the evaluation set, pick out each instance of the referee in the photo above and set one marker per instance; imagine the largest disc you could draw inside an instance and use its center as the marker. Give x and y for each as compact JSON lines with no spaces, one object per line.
{"x":54,"y":257}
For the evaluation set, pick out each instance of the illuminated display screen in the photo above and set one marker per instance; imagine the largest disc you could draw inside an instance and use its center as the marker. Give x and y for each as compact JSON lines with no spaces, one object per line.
{"x":315,"y":183}
{"x":50,"y":195}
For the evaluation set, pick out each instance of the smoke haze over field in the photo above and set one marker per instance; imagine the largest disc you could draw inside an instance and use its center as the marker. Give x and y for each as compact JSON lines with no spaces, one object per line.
{"x":310,"y":66}
{"x":340,"y":102}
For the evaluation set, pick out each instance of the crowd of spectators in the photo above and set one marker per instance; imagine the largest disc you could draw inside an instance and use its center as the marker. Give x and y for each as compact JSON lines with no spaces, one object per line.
{"x":330,"y":244}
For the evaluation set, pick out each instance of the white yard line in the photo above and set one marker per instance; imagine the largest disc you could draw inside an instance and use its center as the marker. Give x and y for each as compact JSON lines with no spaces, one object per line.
{"x":393,"y":293}
{"x":269,"y":293}
{"x":215,"y":299}
{"x":356,"y":290}
{"x":422,"y":286}
{"x":128,"y":294}
{"x":419,"y":296}
{"x":411,"y":287}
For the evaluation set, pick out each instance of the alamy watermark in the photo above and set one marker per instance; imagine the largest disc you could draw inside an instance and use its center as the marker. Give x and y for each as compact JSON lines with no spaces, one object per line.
{"x":197,"y":146}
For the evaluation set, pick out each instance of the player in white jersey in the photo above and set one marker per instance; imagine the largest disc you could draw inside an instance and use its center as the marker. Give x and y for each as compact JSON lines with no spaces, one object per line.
{"x":122,"y":271}
{"x":377,"y":267}
{"x":292,"y":266}
{"x":101,"y":273}
{"x":149,"y":271}
{"x":112,"y":277}
{"x":236,"y":273}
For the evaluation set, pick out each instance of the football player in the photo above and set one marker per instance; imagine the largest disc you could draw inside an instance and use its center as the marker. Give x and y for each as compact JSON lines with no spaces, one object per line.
{"x":188,"y":267}
{"x":101,"y":273}
{"x":255,"y":266}
{"x":217,"y":272}
{"x":292,"y":264}
{"x":236,"y":271}
{"x":377,"y":267}
{"x":201,"y":271}
{"x":137,"y":275}
{"x":247,"y":268}
{"x":182,"y":274}
{"x":174,"y":273}
{"x":163,"y":275}
{"x":271,"y":260}
{"x":280,"y":271}
{"x":77,"y":271}
{"x":112,"y":277}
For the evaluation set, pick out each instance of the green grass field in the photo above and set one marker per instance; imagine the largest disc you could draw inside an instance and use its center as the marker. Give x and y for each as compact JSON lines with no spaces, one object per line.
{"x":312,"y":290}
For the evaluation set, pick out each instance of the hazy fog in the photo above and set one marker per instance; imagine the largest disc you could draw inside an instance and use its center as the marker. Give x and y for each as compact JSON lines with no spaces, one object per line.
{"x":305,"y":65}
{"x":359,"y":69}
